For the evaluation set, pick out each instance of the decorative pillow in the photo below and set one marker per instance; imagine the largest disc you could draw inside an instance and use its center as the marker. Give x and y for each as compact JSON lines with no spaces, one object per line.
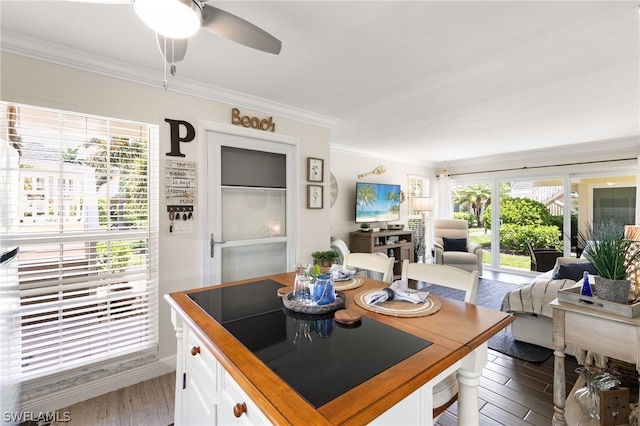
{"x":454,"y":244}
{"x":564,"y":260}
{"x":574,"y":271}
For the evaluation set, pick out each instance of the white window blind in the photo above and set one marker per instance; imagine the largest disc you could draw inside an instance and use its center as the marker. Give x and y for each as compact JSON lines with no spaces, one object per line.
{"x":88,"y":238}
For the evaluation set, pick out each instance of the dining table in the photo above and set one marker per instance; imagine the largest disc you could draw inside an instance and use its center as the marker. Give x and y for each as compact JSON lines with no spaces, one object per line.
{"x":300,"y":368}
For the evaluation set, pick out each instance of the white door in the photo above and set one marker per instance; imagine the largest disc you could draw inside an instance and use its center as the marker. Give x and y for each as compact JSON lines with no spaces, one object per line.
{"x":251,"y":194}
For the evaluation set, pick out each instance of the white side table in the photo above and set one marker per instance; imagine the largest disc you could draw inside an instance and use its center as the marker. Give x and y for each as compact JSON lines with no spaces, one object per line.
{"x":600,"y":332}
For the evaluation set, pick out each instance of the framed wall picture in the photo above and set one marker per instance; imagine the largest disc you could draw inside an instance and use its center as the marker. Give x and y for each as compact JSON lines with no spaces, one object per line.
{"x":315,"y":169}
{"x":314,"y":196}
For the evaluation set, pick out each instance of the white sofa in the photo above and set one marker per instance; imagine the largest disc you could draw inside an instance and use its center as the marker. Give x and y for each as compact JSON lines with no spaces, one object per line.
{"x":530,"y":303}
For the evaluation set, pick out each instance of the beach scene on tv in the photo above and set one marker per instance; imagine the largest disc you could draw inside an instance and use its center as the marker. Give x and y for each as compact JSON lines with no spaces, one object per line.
{"x":377,"y":202}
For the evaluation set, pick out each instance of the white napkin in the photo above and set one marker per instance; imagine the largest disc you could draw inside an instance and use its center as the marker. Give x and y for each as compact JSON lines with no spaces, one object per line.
{"x":339,"y":274}
{"x":400,"y":291}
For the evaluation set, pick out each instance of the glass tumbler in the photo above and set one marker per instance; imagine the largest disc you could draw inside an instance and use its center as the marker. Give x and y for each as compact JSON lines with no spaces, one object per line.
{"x":301,"y":284}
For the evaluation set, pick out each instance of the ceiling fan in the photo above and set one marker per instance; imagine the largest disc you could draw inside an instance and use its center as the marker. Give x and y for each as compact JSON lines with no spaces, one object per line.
{"x":175,"y":20}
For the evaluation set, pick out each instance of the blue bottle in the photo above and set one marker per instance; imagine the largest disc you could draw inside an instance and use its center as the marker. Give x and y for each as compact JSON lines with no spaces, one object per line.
{"x":586,"y":287}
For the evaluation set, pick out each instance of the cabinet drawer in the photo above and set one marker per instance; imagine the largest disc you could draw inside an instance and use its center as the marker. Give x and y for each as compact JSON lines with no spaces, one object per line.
{"x":231,"y":395}
{"x":597,"y":334}
{"x":201,"y":361}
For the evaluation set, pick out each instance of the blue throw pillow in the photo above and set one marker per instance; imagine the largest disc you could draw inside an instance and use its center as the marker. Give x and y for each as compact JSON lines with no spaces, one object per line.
{"x":454,"y":244}
{"x":573,"y":271}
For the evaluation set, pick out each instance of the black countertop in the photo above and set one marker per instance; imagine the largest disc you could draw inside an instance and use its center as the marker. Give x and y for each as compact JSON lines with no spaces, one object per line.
{"x":319,"y":358}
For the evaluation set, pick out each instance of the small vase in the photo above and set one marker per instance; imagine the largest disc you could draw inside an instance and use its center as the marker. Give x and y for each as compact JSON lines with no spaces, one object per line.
{"x":588,"y":396}
{"x":612,"y":290}
{"x":323,"y":293}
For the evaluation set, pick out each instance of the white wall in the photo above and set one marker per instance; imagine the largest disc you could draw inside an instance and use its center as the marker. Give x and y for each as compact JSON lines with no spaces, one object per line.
{"x":29,"y":81}
{"x":346,"y":166}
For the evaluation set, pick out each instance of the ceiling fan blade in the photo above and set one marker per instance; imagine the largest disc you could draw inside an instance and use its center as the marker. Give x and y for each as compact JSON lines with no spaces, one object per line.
{"x":237,"y":29}
{"x":176,"y":48}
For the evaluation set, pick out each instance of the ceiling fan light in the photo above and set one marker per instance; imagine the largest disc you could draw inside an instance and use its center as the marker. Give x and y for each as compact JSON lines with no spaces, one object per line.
{"x":171,"y":18}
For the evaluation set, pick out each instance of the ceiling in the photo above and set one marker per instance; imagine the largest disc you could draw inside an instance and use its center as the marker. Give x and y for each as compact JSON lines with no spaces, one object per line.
{"x":427,"y":81}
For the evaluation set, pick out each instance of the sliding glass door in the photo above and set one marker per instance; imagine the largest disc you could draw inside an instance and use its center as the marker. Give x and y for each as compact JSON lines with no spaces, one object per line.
{"x":508,"y":216}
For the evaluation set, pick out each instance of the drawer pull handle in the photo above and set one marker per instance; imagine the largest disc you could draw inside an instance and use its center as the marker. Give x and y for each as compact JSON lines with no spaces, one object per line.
{"x":195,"y":350}
{"x":238,"y":409}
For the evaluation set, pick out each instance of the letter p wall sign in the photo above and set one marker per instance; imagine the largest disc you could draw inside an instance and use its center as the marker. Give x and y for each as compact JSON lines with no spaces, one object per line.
{"x":181,"y":131}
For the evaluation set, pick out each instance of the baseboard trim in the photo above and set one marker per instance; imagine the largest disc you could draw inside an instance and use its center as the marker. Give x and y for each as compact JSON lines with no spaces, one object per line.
{"x":66,"y":397}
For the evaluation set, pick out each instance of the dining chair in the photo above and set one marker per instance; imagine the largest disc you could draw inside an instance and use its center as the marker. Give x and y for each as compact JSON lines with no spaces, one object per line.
{"x":340,"y":246}
{"x":445,"y":392}
{"x":372,"y":262}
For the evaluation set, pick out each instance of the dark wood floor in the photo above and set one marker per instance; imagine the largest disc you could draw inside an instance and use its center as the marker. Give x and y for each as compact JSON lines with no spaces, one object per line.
{"x":514,"y":392}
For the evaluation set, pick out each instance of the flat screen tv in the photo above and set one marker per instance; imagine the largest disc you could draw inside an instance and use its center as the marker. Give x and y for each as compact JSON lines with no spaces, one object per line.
{"x":377,"y":202}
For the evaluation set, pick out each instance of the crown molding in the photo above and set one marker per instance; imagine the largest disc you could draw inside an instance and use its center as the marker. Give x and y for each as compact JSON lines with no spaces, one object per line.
{"x":43,"y":50}
{"x":369,"y":154}
{"x":565,"y":156}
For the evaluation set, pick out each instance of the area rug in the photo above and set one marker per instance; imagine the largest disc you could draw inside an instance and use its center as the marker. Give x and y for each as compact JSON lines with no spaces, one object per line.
{"x":490,"y":295}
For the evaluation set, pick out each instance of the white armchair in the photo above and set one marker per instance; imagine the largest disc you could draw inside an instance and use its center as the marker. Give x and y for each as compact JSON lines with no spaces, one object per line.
{"x":452,"y":245}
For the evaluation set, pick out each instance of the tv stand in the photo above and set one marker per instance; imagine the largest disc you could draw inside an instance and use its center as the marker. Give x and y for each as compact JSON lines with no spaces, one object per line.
{"x":398,"y":244}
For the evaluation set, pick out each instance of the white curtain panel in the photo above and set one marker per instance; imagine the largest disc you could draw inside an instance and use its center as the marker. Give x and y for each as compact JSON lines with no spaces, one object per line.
{"x":444,"y":209}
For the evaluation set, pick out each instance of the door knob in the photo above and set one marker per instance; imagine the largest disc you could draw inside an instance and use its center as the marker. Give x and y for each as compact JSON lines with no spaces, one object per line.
{"x":239,"y":408}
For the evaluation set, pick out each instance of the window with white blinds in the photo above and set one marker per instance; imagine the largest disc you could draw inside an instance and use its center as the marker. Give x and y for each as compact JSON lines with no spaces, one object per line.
{"x":416,"y":187}
{"x":88,"y":237}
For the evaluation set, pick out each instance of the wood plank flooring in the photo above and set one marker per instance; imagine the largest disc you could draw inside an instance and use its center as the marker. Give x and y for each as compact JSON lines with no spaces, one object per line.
{"x":148,"y":403}
{"x":515,"y":392}
{"x":512,"y":392}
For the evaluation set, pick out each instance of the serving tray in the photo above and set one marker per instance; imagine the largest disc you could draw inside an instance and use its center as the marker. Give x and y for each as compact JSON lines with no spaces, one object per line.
{"x":572,"y":295}
{"x":289,"y":303}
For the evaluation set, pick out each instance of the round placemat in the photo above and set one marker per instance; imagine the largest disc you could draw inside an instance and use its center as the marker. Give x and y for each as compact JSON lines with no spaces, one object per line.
{"x":349,"y":284}
{"x":399,"y":308}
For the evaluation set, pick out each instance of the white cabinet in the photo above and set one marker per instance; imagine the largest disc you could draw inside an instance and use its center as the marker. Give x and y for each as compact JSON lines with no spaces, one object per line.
{"x":233,"y":401}
{"x":206,"y":394}
{"x":199,"y":383}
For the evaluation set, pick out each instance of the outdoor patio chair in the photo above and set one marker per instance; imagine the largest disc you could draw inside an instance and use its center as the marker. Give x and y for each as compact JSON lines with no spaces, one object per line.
{"x":542,"y":259}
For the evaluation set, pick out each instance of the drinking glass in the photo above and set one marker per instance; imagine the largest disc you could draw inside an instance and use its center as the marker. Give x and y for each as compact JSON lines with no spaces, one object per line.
{"x":301,"y":284}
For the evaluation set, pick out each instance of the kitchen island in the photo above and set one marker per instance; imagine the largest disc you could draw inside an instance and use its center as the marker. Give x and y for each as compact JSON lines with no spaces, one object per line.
{"x":243,"y":359}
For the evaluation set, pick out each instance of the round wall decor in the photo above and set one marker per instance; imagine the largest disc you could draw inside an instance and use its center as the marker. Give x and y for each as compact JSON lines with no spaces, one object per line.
{"x":333,"y":186}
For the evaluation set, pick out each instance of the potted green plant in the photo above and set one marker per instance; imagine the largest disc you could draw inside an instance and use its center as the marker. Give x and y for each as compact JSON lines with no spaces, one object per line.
{"x":365,"y":227}
{"x":611,"y":256}
{"x":325,"y":258}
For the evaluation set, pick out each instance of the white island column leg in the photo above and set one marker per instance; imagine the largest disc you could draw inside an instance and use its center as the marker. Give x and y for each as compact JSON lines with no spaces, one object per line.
{"x":469,"y":375}
{"x":178,"y":326}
